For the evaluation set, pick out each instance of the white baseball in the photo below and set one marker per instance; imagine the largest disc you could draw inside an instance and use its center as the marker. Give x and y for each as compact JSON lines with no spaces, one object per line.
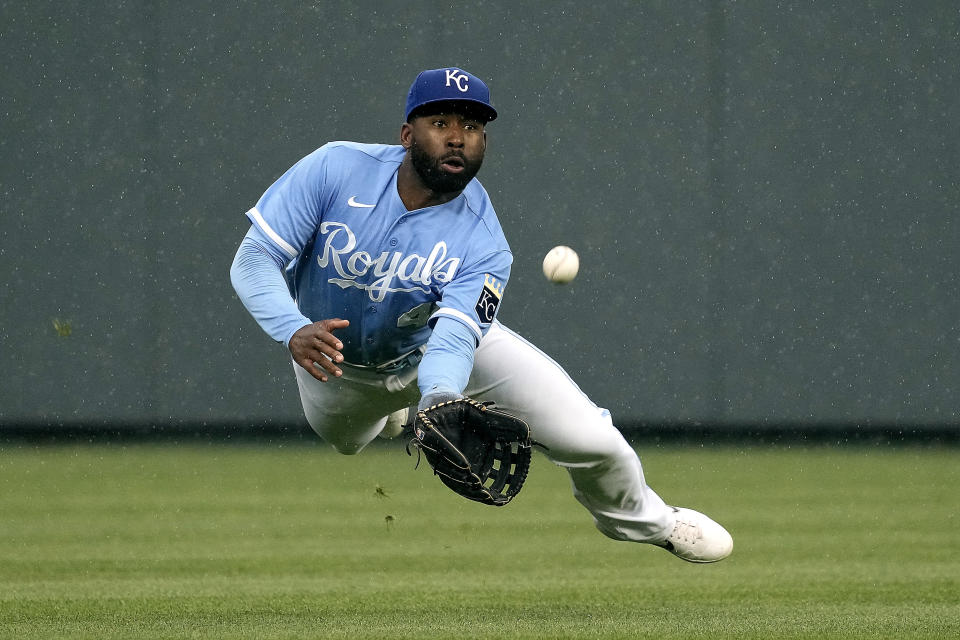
{"x":561,"y":264}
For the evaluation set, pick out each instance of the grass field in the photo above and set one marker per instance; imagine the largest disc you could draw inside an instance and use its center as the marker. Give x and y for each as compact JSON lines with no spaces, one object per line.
{"x":229,"y":541}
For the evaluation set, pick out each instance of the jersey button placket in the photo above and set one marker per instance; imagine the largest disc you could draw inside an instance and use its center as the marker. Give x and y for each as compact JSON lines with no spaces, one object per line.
{"x":373,"y":310}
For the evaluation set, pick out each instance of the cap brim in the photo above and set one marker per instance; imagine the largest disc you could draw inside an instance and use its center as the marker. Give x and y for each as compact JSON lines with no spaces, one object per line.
{"x":473,"y":108}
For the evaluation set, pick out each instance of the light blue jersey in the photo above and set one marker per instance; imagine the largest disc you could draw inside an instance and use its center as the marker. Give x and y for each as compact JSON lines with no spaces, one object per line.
{"x":356,"y":253}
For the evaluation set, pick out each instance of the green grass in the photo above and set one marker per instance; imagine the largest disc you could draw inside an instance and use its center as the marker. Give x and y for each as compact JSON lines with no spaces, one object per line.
{"x":217,"y":541}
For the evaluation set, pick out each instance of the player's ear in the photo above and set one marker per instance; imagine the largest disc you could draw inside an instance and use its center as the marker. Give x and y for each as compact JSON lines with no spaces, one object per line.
{"x":406,"y":134}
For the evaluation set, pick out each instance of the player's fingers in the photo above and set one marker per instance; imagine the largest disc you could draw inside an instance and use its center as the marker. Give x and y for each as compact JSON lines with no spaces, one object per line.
{"x":329,"y":344}
{"x":324,"y":363}
{"x":312,"y":369}
{"x":315,"y":362}
{"x":317,"y":350}
{"x":315,"y":344}
{"x":332,"y":324}
{"x":325,"y":360}
{"x":320,"y":367}
{"x":321,"y":346}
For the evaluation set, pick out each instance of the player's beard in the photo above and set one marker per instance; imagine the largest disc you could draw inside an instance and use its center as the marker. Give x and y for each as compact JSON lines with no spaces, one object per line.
{"x":435,"y":178}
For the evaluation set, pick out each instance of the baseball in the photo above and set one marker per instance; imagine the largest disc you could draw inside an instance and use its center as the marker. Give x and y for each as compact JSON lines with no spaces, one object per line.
{"x":561,"y":264}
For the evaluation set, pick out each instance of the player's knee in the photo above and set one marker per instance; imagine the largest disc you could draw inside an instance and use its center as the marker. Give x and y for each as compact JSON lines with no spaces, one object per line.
{"x":605,"y":448}
{"x":347,"y":448}
{"x":342,"y":443}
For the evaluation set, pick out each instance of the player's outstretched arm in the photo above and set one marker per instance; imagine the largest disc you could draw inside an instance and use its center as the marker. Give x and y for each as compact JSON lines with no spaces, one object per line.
{"x":316,"y":349}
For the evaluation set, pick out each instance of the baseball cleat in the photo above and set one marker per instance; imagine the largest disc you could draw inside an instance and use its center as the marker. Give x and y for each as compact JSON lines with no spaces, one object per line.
{"x":395,"y":423}
{"x":697,"y":538}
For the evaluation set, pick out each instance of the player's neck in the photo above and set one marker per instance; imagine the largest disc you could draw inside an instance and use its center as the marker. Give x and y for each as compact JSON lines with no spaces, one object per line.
{"x":416,"y":195}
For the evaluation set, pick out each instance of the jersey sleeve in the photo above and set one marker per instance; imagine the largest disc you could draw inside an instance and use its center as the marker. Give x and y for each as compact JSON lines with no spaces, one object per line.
{"x":473,"y":297}
{"x":447,"y":364}
{"x":289,"y":212}
{"x":257,"y":278}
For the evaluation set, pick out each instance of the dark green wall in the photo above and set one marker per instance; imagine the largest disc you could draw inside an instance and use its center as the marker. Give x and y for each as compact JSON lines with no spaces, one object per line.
{"x":764,"y":197}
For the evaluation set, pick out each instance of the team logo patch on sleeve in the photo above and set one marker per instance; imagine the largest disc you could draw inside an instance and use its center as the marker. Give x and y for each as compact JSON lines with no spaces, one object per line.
{"x":489,"y":299}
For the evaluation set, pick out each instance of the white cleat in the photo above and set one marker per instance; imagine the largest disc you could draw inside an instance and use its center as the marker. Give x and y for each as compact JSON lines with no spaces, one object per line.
{"x":697,"y":538}
{"x":395,"y":423}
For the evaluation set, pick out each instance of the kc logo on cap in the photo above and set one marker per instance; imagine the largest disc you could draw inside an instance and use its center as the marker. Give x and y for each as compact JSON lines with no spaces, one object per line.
{"x":458,"y":77}
{"x":451,"y":84}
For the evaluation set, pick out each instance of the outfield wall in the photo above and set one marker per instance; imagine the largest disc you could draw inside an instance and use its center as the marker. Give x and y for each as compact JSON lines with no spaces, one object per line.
{"x":764,"y":197}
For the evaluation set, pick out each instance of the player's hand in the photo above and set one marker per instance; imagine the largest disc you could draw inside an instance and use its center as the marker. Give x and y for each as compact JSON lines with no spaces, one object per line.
{"x":316,"y":349}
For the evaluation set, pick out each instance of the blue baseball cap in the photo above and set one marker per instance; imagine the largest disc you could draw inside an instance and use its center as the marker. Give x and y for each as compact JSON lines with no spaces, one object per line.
{"x":450,"y":85}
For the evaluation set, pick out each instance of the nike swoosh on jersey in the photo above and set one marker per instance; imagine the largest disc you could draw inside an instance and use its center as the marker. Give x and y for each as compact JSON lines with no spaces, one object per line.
{"x":353,"y":203}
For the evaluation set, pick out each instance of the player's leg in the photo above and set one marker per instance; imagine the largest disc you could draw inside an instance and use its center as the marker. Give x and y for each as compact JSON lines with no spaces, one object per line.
{"x":605,"y":471}
{"x":349,"y":412}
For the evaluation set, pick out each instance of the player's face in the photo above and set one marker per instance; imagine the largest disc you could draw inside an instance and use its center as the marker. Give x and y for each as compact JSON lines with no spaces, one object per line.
{"x":446,"y":150}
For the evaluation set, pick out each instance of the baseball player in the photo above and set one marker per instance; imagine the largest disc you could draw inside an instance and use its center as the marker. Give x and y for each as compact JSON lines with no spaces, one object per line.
{"x":382,"y":268}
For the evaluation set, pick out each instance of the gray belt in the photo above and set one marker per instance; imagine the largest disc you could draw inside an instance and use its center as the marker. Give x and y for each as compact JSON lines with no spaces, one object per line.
{"x":396,"y":365}
{"x":395,"y":375}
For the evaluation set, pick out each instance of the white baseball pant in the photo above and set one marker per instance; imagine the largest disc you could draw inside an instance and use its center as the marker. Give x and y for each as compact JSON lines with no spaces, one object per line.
{"x":606,"y":474}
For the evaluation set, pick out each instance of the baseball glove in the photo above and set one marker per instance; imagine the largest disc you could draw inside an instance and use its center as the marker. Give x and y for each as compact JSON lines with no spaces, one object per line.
{"x":479,"y":451}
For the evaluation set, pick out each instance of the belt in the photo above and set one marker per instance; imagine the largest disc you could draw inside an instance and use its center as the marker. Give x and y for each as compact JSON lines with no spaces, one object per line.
{"x":405,"y":361}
